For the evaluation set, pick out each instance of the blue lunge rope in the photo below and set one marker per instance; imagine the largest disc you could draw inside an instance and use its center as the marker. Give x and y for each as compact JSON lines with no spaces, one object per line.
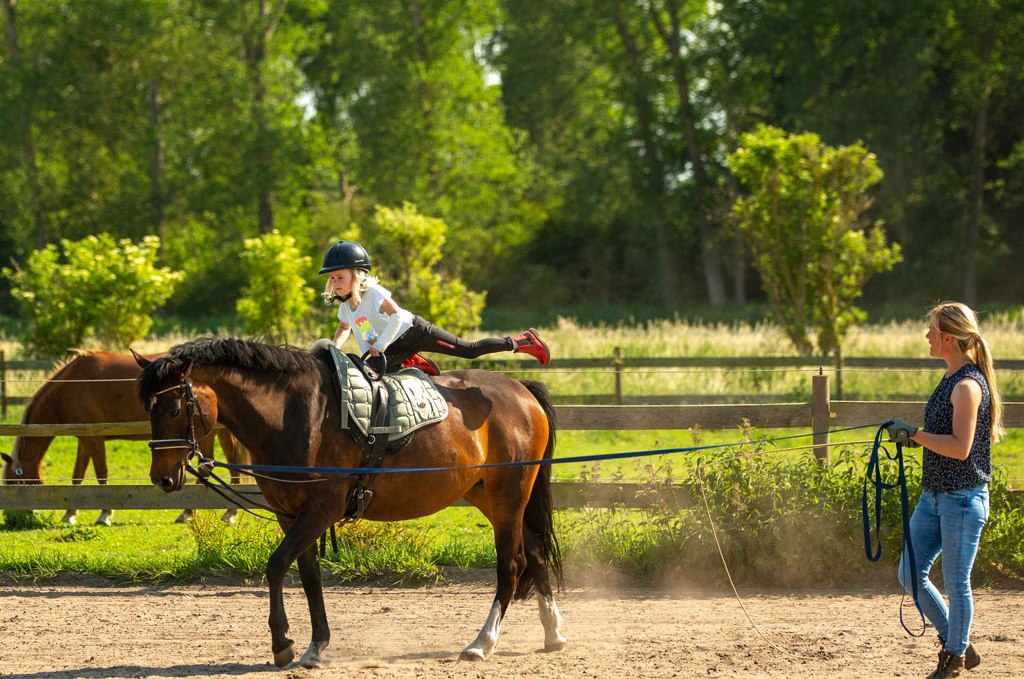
{"x":597,"y":457}
{"x":874,"y":474}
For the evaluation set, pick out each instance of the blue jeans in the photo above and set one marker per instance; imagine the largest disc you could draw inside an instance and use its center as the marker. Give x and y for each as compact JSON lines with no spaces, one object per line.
{"x":949,"y":522}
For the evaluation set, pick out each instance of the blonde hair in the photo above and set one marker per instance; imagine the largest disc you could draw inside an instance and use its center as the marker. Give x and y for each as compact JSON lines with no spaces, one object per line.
{"x":361,"y":280}
{"x":960,"y":322}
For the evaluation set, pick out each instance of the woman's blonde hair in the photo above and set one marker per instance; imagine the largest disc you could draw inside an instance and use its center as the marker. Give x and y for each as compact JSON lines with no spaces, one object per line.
{"x":361,"y":280}
{"x":960,"y":322}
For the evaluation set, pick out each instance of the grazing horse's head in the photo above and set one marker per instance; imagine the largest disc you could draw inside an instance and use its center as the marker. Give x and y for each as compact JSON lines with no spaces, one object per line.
{"x":180,"y":415}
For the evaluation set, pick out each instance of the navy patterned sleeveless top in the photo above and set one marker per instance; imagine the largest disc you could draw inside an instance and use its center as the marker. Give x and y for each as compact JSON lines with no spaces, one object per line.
{"x":945,"y":473}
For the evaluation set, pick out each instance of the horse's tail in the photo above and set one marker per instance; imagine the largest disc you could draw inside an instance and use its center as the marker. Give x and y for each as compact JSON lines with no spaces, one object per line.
{"x":539,"y":515}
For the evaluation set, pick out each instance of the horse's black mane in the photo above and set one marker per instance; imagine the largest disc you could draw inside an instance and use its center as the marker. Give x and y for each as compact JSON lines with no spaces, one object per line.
{"x":246,"y":354}
{"x":231,"y":352}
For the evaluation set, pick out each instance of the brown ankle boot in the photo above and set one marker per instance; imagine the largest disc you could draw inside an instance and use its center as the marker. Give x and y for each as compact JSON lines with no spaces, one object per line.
{"x":949,"y":666}
{"x":971,"y":657}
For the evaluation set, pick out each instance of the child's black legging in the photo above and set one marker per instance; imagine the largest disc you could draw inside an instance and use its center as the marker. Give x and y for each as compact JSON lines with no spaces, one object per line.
{"x":425,"y":336}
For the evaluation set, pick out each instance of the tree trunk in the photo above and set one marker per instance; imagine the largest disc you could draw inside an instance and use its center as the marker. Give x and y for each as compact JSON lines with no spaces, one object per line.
{"x":976,"y":204}
{"x":654,"y":184}
{"x":256,"y":36}
{"x":28,"y":149}
{"x":713,"y":276}
{"x":156,"y":159}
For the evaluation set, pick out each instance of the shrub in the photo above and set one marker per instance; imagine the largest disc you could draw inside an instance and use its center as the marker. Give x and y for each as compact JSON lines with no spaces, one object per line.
{"x":103,"y":288}
{"x":276,"y":299}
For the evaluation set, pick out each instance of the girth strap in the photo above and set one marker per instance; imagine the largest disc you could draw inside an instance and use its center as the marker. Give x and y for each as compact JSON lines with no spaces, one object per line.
{"x":373,"y":453}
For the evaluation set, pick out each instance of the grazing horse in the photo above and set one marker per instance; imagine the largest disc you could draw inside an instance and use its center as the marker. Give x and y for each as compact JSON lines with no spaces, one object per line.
{"x":93,"y":387}
{"x":284,"y":407}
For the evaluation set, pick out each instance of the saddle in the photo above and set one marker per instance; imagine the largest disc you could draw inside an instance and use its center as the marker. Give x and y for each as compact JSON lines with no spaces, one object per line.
{"x":380,"y":412}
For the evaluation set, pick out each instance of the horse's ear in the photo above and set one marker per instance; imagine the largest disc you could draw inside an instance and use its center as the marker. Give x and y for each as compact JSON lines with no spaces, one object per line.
{"x":6,"y":458}
{"x":186,"y":367}
{"x":139,"y":359}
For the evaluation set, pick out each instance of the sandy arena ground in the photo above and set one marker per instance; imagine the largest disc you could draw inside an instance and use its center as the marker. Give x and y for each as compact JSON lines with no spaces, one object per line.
{"x":89,"y":629}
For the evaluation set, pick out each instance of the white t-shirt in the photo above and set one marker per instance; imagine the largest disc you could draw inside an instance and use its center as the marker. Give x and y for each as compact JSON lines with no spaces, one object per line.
{"x":369,"y":324}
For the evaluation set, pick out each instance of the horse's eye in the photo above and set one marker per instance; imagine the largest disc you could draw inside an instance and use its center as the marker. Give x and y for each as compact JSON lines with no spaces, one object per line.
{"x":176,"y":409}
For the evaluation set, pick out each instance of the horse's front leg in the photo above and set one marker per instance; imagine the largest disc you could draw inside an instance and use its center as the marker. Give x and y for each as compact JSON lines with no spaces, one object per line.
{"x":299,"y":537}
{"x":312,"y":585}
{"x":511,"y":561}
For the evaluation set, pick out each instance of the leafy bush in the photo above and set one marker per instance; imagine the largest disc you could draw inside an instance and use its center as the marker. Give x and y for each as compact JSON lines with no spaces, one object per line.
{"x":408,"y":247}
{"x":779,"y":522}
{"x":95,"y":287}
{"x":805,"y":220}
{"x":276,"y":299}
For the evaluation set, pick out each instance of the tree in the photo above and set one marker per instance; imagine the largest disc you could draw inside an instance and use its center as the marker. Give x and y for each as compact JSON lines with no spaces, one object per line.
{"x":276,"y":299}
{"x":105,"y":289}
{"x":407,"y":249}
{"x":804,"y":219}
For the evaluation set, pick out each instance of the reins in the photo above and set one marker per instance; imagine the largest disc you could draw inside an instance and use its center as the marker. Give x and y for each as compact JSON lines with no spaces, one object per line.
{"x":874,"y":474}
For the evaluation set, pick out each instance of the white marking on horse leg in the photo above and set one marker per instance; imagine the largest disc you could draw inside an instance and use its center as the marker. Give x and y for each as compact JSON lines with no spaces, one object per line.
{"x":229,"y":517}
{"x":485,"y":642}
{"x":312,"y":657}
{"x":552,"y":621}
{"x":105,"y":518}
{"x":70,"y":517}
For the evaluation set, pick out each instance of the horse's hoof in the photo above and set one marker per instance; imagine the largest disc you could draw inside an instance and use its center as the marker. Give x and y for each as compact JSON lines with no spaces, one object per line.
{"x":471,"y":654}
{"x":552,"y":646}
{"x":184,"y":517}
{"x":70,"y":518}
{"x":105,"y":519}
{"x":229,"y":517}
{"x":312,"y":659}
{"x":284,"y":656}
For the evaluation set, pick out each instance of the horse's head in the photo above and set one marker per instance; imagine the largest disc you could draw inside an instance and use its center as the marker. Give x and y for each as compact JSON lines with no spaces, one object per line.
{"x":18,"y":469}
{"x":180,"y":415}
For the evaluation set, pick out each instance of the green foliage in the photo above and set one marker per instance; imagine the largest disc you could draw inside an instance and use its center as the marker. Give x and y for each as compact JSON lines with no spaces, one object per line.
{"x":16,"y":519}
{"x":778,"y":522}
{"x":408,"y":246}
{"x":103,"y":288}
{"x":276,"y":299}
{"x":804,"y":219}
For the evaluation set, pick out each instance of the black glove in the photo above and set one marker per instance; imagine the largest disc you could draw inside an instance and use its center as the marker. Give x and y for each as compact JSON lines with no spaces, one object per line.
{"x":900,"y":432}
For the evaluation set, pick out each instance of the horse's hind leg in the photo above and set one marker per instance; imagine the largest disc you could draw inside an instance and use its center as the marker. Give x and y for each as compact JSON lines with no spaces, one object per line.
{"x":537,"y":566}
{"x":508,"y":544}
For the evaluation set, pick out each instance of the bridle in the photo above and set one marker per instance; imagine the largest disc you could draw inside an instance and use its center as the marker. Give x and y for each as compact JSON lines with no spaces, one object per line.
{"x":192,"y":406}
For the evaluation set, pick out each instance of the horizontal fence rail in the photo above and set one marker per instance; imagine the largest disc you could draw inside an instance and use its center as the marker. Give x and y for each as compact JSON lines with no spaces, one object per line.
{"x":620,"y":365}
{"x":817,"y":416}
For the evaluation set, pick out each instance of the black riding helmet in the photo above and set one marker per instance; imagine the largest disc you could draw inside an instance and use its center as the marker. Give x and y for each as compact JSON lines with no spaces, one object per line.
{"x":346,"y":255}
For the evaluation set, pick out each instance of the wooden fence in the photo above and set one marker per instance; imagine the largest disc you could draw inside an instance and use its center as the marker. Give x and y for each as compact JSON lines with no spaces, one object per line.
{"x":619,"y":366}
{"x":818,"y":416}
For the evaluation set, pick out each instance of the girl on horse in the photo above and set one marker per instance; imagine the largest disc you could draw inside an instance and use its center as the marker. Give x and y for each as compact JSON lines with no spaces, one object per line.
{"x":382,"y":327}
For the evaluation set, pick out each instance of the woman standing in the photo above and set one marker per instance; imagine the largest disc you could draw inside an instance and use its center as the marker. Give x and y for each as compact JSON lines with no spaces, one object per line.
{"x":962,"y":419}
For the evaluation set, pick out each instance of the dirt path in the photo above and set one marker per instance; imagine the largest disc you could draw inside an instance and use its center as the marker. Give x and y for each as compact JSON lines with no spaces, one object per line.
{"x":90,"y":630}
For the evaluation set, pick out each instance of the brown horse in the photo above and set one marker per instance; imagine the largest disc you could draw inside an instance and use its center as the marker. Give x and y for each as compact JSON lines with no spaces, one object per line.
{"x":282,"y":404}
{"x":93,"y":387}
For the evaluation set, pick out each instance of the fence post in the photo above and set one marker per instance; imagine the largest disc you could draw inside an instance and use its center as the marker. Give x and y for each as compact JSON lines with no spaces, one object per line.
{"x":839,"y":373}
{"x":3,"y":385}
{"x":617,"y":364}
{"x":821,"y":415}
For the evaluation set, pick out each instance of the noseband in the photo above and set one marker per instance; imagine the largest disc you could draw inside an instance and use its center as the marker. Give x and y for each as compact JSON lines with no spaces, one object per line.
{"x":191,"y":407}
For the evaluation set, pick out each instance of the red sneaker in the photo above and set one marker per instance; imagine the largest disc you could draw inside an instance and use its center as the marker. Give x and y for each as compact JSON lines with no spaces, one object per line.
{"x":420,"y":363}
{"x":530,"y":343}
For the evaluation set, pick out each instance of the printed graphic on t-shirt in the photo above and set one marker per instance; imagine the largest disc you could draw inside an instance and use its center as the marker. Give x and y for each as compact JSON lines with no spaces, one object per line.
{"x":366,"y":328}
